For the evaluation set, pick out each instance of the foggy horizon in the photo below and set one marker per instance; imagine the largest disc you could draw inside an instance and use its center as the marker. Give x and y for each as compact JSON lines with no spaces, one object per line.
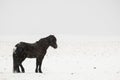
{"x":71,"y":17}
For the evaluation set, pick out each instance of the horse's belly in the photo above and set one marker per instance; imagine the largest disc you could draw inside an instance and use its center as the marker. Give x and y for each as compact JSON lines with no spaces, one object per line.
{"x":33,"y":55}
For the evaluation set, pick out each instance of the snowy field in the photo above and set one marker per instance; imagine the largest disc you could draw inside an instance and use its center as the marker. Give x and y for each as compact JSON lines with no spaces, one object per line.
{"x":76,"y":58}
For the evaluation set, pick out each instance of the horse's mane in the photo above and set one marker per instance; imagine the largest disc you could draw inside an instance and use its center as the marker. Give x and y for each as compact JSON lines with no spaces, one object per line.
{"x":42,"y":40}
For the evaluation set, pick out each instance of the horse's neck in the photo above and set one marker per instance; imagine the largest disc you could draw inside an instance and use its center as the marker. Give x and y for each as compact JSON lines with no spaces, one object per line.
{"x":43,"y":44}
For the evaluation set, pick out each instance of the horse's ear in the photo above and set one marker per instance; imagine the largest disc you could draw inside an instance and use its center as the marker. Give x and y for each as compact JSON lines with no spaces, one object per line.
{"x":50,"y":38}
{"x":50,"y":35}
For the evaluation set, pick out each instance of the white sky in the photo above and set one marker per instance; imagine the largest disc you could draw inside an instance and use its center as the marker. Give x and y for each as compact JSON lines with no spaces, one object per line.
{"x":76,"y":17}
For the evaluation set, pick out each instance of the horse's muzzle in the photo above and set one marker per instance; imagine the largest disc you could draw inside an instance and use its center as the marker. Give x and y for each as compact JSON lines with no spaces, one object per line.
{"x":55,"y":46}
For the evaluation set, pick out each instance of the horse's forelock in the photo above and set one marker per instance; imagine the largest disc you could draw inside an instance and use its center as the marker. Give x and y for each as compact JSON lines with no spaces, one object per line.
{"x":52,"y":37}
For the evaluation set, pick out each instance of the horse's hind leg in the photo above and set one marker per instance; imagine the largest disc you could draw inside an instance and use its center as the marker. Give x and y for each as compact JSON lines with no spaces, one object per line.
{"x":16,"y":69}
{"x":21,"y":60}
{"x":22,"y":68}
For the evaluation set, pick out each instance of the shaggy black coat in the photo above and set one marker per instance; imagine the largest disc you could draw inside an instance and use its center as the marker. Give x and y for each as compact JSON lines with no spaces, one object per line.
{"x":32,"y":50}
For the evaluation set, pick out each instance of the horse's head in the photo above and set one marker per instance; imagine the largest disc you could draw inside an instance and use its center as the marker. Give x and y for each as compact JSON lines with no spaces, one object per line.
{"x":52,"y":41}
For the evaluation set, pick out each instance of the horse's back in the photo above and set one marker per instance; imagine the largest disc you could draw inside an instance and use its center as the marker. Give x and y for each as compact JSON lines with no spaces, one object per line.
{"x":30,"y":49}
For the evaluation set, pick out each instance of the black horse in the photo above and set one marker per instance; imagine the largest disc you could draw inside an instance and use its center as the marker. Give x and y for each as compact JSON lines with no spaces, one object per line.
{"x":32,"y":50}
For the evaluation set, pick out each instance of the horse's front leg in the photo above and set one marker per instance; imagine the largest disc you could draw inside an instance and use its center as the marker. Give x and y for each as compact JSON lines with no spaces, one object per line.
{"x":38,"y":66}
{"x":39,"y":63}
{"x":36,"y":70}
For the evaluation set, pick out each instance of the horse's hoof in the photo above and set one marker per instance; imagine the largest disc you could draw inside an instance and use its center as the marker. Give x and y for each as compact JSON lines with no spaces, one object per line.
{"x":40,"y":72}
{"x":36,"y":71}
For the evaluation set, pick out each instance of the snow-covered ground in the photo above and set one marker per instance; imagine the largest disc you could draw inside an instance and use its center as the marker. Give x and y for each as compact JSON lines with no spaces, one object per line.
{"x":76,"y":58}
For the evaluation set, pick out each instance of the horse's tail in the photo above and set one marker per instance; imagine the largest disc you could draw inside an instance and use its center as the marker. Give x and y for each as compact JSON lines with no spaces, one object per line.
{"x":16,"y":53}
{"x":14,"y":60}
